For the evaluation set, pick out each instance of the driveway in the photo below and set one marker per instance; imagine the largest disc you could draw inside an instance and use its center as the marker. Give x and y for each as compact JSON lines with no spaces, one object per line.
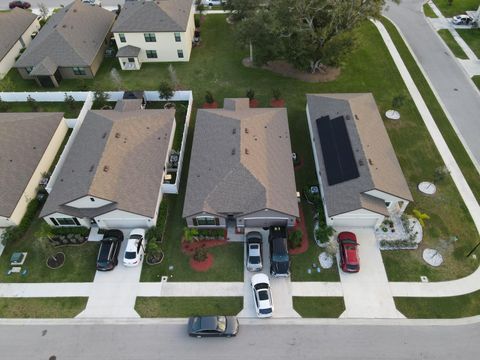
{"x":367,"y":293}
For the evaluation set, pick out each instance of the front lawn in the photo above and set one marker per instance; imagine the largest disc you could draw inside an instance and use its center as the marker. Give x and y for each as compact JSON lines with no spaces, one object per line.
{"x":472,"y":38}
{"x":62,"y":307}
{"x":456,"y":7}
{"x":319,"y":307}
{"x":439,"y":307}
{"x":452,"y":44}
{"x":151,"y":307}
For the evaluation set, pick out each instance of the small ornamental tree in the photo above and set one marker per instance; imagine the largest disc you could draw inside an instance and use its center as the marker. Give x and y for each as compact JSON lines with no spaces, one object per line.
{"x":421,"y":217}
{"x":32,"y":102}
{"x":209,"y":97}
{"x":165,"y":90}
{"x":324,"y":232}
{"x":276,"y":93}
{"x":250,"y":94}
{"x":69,"y":101}
{"x":100,"y":99}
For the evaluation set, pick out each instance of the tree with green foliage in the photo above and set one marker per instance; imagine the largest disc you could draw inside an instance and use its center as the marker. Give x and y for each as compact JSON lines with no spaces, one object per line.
{"x":100,"y":99}
{"x":209,"y":99}
{"x":250,"y":94}
{"x":69,"y":101}
{"x":324,"y":232}
{"x":309,"y":34}
{"x":241,"y":9}
{"x":295,"y":239}
{"x":165,"y":90}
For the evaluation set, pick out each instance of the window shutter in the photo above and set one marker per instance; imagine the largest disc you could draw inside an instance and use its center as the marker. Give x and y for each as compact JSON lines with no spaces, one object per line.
{"x":54,"y":221}
{"x":195,"y":222}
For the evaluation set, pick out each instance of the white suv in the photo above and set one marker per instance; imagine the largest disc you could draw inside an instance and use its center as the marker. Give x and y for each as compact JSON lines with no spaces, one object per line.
{"x":135,"y":248}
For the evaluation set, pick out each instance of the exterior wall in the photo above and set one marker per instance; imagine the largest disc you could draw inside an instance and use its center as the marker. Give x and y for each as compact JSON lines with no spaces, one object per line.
{"x":387,"y":197}
{"x":265,"y":218}
{"x":222,"y":221}
{"x":67,"y":73}
{"x":87,"y":203}
{"x":357,"y":218}
{"x":43,"y":166}
{"x":169,"y":188}
{"x":123,"y":60}
{"x":99,"y":57}
{"x":83,"y":221}
{"x":27,"y":35}
{"x":123,"y":219}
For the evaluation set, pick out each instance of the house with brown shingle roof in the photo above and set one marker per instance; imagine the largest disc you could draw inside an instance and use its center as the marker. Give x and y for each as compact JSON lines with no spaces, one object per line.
{"x":154,"y":31}
{"x":114,"y":170}
{"x":71,"y":45}
{"x":360,"y":178}
{"x":29,"y":143}
{"x":241,"y":170}
{"x":16,"y":28}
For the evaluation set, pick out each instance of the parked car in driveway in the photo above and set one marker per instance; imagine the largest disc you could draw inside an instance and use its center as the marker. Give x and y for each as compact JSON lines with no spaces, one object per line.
{"x":254,"y":251}
{"x":135,"y":248}
{"x":279,"y":260}
{"x":462,"y":20}
{"x":348,"y":247}
{"x":210,"y":326}
{"x":19,"y":4}
{"x":107,"y":257}
{"x":262,"y":296}
{"x":213,"y":2}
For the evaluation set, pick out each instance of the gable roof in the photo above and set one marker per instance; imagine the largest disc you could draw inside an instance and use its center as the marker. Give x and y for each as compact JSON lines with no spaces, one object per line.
{"x":241,"y":162}
{"x":25,"y":137}
{"x":154,"y":16}
{"x":376,"y":161}
{"x":72,"y":37}
{"x":12,"y":26}
{"x":118,"y":156}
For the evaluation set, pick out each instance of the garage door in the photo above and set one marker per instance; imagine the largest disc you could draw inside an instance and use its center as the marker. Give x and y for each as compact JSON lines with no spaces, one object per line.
{"x":369,"y":222}
{"x":264,"y":222}
{"x":124,"y":223}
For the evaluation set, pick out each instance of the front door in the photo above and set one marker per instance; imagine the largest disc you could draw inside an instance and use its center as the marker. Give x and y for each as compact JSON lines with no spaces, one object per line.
{"x":45,"y":81}
{"x":231,"y":221}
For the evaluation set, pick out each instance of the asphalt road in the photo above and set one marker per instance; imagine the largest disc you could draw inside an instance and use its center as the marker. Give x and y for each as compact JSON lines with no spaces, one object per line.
{"x":154,"y":340}
{"x":447,"y":76}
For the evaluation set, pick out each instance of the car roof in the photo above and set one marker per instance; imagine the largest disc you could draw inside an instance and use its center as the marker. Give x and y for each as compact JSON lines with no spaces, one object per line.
{"x":131,"y":245}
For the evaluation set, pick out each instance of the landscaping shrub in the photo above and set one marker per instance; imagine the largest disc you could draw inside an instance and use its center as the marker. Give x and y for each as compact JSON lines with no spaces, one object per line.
{"x":80,"y":230}
{"x":200,"y":255}
{"x":166,"y":90}
{"x":13,"y":233}
{"x":295,"y":239}
{"x":209,"y":98}
{"x":276,"y":93}
{"x":250,"y":94}
{"x":100,"y":99}
{"x":211,"y":233}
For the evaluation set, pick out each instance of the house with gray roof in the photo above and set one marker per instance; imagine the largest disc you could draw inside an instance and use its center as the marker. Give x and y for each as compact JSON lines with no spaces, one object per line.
{"x":71,"y":45}
{"x":16,"y":28}
{"x":241,"y":169}
{"x":113,"y":172}
{"x":29,"y":143}
{"x":154,"y":31}
{"x":360,"y":178}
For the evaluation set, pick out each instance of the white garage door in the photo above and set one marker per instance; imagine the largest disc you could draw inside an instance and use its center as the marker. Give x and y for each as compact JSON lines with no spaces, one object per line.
{"x":265,"y":222}
{"x":369,"y":222}
{"x":124,"y":223}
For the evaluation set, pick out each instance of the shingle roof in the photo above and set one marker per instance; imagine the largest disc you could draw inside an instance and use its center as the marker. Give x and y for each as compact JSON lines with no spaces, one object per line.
{"x":154,"y":16}
{"x":12,"y":26}
{"x":44,"y":67}
{"x":377,"y":163}
{"x":241,"y":162}
{"x":72,"y":37}
{"x":128,"y":50}
{"x":117,"y":156}
{"x":23,"y":141}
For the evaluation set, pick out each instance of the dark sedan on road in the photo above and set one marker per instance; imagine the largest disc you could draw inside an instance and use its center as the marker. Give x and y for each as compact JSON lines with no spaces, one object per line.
{"x":210,"y":326}
{"x":19,"y":4}
{"x":349,"y":260}
{"x":109,"y":248}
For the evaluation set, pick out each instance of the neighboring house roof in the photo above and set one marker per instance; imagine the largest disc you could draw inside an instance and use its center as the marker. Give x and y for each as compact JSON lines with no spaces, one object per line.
{"x":128,"y":50}
{"x":241,"y":162}
{"x":117,"y":156}
{"x":23,"y":141}
{"x":374,"y":156}
{"x":72,"y":37}
{"x":154,"y":16}
{"x":12,"y":26}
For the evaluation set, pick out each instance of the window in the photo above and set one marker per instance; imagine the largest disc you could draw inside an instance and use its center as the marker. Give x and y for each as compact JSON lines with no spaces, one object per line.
{"x":180,"y":54}
{"x":177,"y":37}
{"x":152,"y":54}
{"x":122,"y":38}
{"x":29,"y":69}
{"x":79,"y":70}
{"x":149,"y":37}
{"x":206,"y":220}
{"x":66,"y":221}
{"x":131,"y":60}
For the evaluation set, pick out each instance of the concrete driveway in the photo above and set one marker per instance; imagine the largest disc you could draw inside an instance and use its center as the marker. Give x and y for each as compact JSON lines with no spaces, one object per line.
{"x":367,"y":293}
{"x":281,"y":287}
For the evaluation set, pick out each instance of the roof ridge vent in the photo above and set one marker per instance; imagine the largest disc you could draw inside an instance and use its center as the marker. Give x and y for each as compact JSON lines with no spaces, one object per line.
{"x":233,"y":151}
{"x":91,"y":168}
{"x":356,"y":117}
{"x":106,"y":168}
{"x":246,"y":130}
{"x":234,"y":131}
{"x":117,"y":135}
{"x":246,"y":151}
{"x":360,"y":162}
{"x":370,"y":161}
{"x":104,"y":135}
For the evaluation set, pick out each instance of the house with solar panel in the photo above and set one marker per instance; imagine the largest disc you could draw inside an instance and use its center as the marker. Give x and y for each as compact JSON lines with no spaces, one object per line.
{"x":360,"y":178}
{"x":154,"y":31}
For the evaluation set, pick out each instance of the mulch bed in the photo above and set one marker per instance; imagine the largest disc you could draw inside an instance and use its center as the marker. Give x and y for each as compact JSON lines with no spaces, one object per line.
{"x":189,"y":248}
{"x":202,"y":266}
{"x":277,"y":103}
{"x":213,"y":105}
{"x":56,"y":261}
{"x":254,"y":103}
{"x":300,"y":225}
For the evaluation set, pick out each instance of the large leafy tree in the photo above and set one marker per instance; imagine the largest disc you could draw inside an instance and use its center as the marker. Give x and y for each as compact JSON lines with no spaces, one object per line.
{"x":309,"y":34}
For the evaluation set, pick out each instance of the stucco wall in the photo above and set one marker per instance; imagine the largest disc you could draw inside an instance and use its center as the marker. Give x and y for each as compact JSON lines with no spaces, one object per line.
{"x":87,"y":203}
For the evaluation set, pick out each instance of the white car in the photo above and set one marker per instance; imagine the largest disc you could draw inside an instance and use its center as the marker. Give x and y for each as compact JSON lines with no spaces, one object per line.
{"x":213,"y":2}
{"x":135,"y":248}
{"x":262,"y":296}
{"x":462,"y":20}
{"x":254,"y":251}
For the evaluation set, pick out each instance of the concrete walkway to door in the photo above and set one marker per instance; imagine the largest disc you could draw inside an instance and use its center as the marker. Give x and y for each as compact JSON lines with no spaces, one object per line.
{"x":367,"y":293}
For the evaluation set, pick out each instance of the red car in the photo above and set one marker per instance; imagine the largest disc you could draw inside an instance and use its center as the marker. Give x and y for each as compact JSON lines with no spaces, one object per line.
{"x":349,"y":260}
{"x":20,"y":4}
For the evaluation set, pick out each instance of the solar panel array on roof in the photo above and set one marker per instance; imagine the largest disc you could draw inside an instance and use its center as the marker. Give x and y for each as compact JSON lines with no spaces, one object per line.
{"x":337,"y":150}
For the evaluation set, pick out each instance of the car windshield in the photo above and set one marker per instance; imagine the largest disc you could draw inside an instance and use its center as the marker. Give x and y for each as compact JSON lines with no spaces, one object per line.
{"x":265,"y":311}
{"x":196,"y":324}
{"x":279,"y":258}
{"x":254,"y":259}
{"x":130,"y":255}
{"x":263,"y":295}
{"x":135,"y":236}
{"x":352,"y":267}
{"x":221,"y":323}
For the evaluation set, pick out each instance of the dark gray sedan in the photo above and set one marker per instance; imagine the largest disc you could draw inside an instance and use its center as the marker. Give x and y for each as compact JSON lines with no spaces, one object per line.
{"x":203,"y":326}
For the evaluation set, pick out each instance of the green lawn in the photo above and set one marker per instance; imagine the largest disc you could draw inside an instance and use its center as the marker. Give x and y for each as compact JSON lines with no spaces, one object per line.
{"x":457,"y":6}
{"x":427,"y":10}
{"x":151,"y":307}
{"x":45,"y":106}
{"x":441,"y":307}
{"x":42,"y":307}
{"x":319,"y":307}
{"x":452,"y":44}
{"x":476,"y":80}
{"x":472,"y":38}
{"x":449,"y":216}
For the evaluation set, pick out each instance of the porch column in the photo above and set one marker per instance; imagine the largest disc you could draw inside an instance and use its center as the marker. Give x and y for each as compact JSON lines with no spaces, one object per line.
{"x":403,"y":206}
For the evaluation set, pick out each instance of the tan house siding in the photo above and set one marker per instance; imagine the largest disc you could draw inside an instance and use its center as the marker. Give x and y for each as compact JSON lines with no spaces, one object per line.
{"x":67,"y":73}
